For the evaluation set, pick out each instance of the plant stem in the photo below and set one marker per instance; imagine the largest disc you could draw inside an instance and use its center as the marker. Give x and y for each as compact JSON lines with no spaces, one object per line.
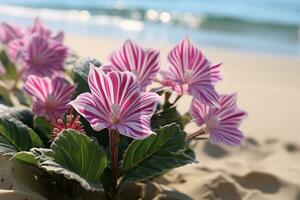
{"x":15,"y":85}
{"x":177,"y":98}
{"x":113,"y":148}
{"x":196,"y":134}
{"x":166,"y":102}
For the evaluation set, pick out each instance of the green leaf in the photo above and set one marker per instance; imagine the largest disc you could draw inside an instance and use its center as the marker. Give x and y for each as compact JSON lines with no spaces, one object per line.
{"x":24,"y":115}
{"x":11,"y":71}
{"x":17,"y":134}
{"x":80,"y":73}
{"x":166,"y":116}
{"x":6,"y":148}
{"x":25,"y":156}
{"x":36,"y":140}
{"x":5,"y":97}
{"x":155,"y":154}
{"x":186,"y":118}
{"x":43,"y":127}
{"x":21,"y":97}
{"x":75,"y":156}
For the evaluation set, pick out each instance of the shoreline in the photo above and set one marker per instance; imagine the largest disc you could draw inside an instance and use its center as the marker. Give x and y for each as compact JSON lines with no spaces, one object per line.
{"x":70,"y":37}
{"x":229,"y":27}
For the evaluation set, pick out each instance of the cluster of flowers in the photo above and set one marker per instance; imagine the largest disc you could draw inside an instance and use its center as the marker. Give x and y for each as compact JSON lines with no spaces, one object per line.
{"x":35,"y":49}
{"x":118,"y":99}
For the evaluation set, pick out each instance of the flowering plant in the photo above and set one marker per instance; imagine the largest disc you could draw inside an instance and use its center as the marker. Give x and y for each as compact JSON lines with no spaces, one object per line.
{"x":99,"y":127}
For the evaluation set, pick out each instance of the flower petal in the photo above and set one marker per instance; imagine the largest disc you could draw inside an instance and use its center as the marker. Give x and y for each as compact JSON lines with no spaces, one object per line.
{"x":146,"y":106}
{"x":205,"y":93}
{"x":226,"y":136}
{"x":201,"y":113}
{"x":39,"y":108}
{"x":14,"y":49}
{"x":84,"y":104}
{"x":38,"y":87}
{"x":180,"y":59}
{"x":59,"y":37}
{"x":49,"y":97}
{"x":38,"y":27}
{"x":228,"y":101}
{"x":232,"y":116}
{"x":144,"y":63}
{"x":62,"y":90}
{"x":220,"y":122}
{"x":116,"y":102}
{"x":137,"y":128}
{"x":112,"y":88}
{"x":191,"y":72}
{"x":9,"y":32}
{"x":42,"y":56}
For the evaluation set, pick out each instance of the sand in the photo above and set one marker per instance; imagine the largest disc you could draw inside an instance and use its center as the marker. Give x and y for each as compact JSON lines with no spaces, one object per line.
{"x":267,"y":165}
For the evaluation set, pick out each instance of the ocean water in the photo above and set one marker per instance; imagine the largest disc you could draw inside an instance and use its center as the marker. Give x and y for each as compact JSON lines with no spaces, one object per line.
{"x":271,"y":26}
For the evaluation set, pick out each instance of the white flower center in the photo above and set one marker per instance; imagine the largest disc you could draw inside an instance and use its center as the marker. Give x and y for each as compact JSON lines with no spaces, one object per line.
{"x":38,"y":60}
{"x":115,"y":113}
{"x":212,"y":123}
{"x":135,"y":72}
{"x":188,"y":75}
{"x":50,"y":103}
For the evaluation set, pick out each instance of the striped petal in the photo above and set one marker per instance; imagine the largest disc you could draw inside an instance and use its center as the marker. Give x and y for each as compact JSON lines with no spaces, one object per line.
{"x":50,"y":97}
{"x":145,"y":104}
{"x":112,"y":88}
{"x":205,"y":93}
{"x":38,"y":87}
{"x":201,"y":112}
{"x":85,"y":105}
{"x":115,"y":102}
{"x":38,"y":27}
{"x":144,"y":63}
{"x":59,"y":37}
{"x":226,"y":136}
{"x":136,"y":117}
{"x":192,"y":72}
{"x":62,"y":90}
{"x":14,"y":49}
{"x":228,"y":101}
{"x":137,"y":128}
{"x":42,"y":57}
{"x":9,"y":32}
{"x":221,"y":123}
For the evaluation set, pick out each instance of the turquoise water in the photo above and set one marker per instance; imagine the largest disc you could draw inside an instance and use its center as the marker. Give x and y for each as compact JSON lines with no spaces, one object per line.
{"x":271,"y":26}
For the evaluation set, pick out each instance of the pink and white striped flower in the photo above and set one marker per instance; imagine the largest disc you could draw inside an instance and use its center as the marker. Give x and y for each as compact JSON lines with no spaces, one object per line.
{"x":16,"y":40}
{"x":220,"y":123}
{"x":190,"y":72}
{"x":42,"y":56}
{"x":14,"y":49}
{"x":144,"y":63}
{"x":115,"y":102}
{"x":40,"y":28}
{"x":50,"y":98}
{"x":9,"y":32}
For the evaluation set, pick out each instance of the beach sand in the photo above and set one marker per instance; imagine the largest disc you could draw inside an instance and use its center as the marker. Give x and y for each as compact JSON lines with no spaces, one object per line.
{"x":267,"y":165}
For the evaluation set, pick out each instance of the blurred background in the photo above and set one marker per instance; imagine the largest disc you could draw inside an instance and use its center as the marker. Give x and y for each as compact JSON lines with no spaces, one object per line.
{"x":258,"y":42}
{"x":261,"y":25}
